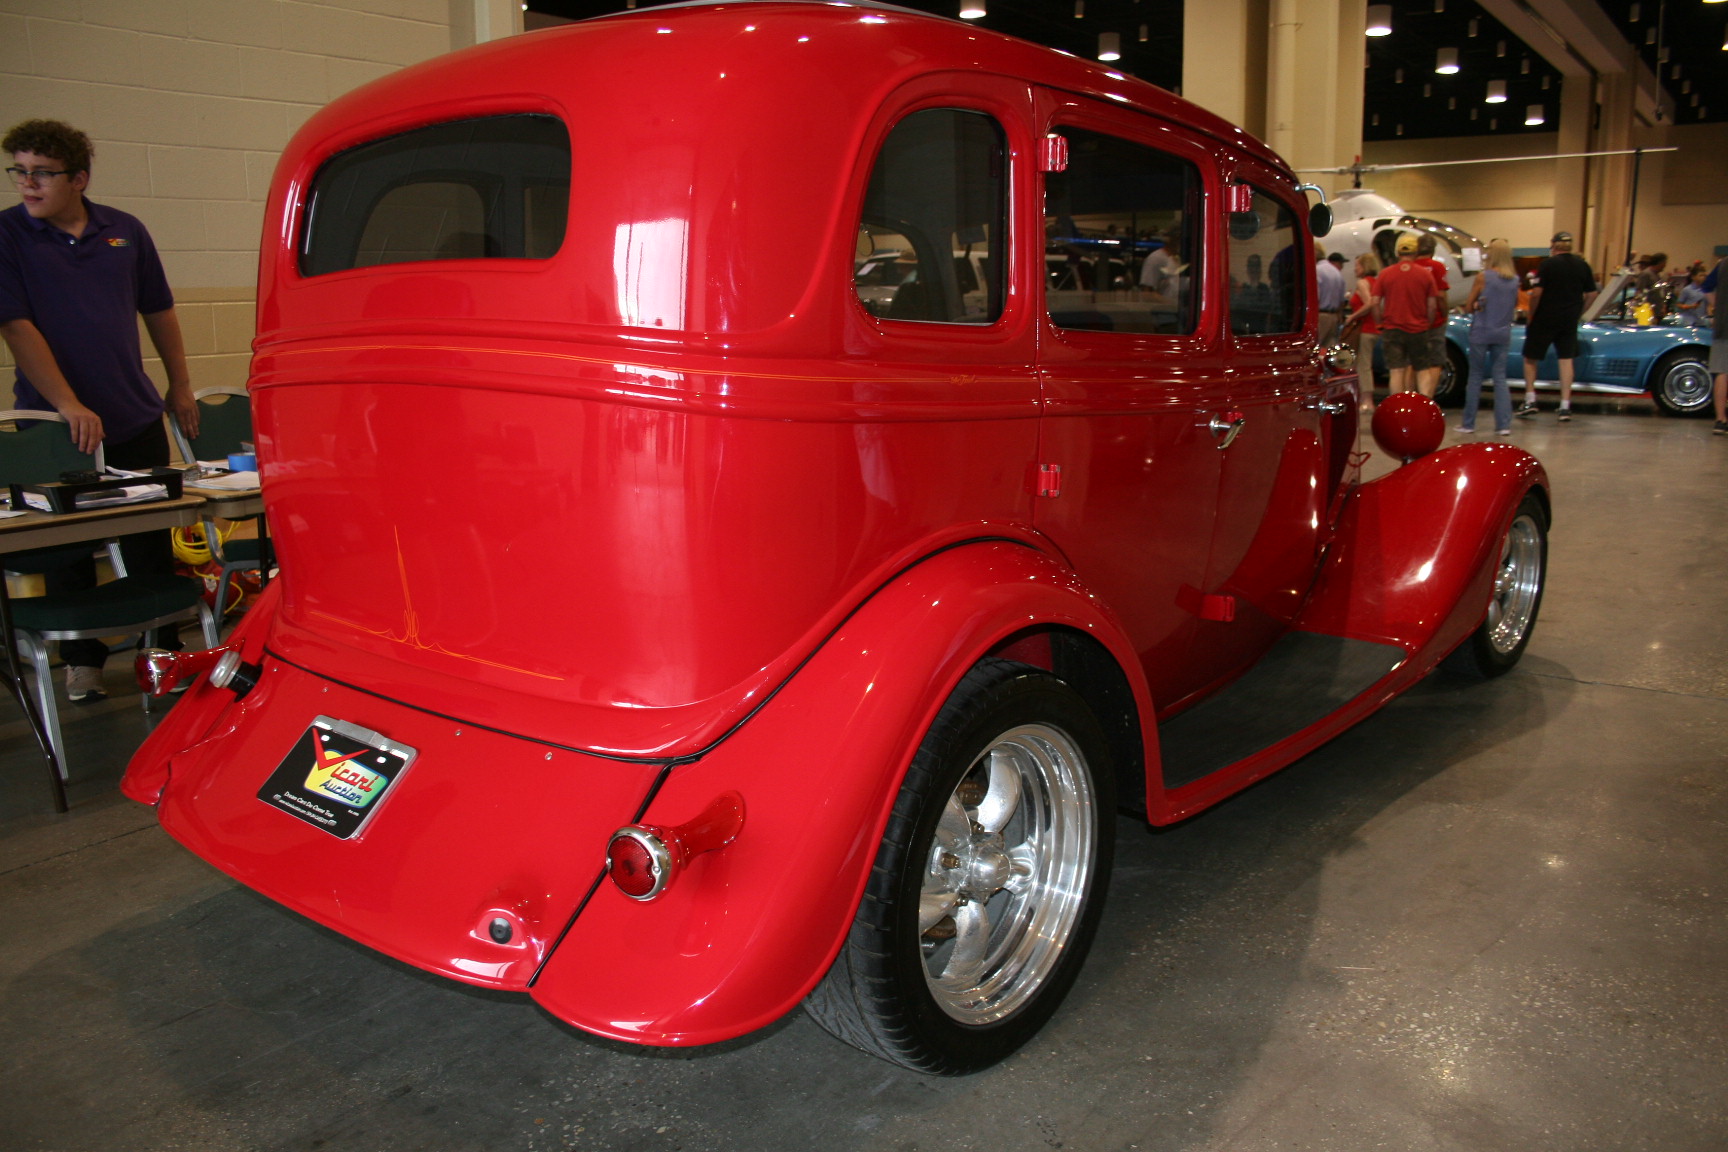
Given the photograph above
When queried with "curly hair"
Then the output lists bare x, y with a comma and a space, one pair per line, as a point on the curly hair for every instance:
51, 138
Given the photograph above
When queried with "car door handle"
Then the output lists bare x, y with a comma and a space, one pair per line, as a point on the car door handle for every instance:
1227, 425
1330, 407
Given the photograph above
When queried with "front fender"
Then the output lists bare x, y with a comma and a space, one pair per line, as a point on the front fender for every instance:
747, 931
1413, 559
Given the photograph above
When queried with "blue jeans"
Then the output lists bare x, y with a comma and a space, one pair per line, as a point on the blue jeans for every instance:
1488, 360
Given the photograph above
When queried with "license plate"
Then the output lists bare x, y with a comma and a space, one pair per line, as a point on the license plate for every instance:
336, 776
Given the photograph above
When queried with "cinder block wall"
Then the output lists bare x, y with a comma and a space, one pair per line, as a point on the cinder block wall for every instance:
189, 102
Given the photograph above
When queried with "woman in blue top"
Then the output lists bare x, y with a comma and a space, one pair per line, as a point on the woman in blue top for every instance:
1492, 301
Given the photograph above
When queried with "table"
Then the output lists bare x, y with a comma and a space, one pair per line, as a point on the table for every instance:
45, 530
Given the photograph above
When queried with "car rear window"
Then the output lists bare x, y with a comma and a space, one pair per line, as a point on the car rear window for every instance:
930, 241
491, 188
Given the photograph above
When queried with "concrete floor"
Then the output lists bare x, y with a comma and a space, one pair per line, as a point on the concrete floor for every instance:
1490, 918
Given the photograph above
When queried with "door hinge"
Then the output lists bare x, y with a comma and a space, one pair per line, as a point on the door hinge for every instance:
1049, 481
1053, 153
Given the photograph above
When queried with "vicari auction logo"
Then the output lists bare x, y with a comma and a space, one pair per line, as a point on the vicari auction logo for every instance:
340, 775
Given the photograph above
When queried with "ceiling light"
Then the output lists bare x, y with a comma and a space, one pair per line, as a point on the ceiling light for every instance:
1379, 19
1144, 34
1475, 26
1493, 124
1079, 9
1685, 87
1446, 61
1109, 46
1524, 67
1533, 116
1427, 90
1375, 121
1439, 5
1496, 92
1649, 37
1633, 13
972, 9
1400, 131
1544, 82
1451, 101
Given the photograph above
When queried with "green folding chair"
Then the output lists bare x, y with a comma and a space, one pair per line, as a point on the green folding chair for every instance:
35, 447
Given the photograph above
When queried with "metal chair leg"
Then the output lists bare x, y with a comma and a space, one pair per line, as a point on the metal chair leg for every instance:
46, 705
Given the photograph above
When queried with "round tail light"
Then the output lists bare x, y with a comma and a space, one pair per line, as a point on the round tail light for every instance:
644, 859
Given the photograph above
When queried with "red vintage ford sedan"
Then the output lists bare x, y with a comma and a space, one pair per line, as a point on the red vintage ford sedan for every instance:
759, 486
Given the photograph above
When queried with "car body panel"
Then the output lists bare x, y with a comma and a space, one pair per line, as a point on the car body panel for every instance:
679, 512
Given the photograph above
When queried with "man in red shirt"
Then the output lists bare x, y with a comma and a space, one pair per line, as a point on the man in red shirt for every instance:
1428, 379
1406, 300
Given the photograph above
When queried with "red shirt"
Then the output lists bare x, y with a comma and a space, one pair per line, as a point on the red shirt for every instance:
1439, 272
1404, 291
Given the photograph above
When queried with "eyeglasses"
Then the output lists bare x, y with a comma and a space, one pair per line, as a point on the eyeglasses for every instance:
23, 176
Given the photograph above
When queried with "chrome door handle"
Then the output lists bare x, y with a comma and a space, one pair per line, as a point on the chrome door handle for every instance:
1227, 425
1330, 407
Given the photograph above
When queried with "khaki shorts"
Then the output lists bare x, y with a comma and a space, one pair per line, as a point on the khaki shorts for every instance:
1408, 349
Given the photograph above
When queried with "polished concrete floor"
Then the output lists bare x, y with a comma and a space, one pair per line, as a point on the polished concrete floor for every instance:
1490, 918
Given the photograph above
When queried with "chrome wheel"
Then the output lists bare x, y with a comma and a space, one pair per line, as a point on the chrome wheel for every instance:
1682, 386
1005, 874
989, 881
1517, 586
1514, 599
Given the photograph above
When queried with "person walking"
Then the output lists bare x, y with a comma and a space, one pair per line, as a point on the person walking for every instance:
1564, 288
1719, 345
1491, 304
1428, 379
75, 276
1406, 300
1329, 276
1360, 324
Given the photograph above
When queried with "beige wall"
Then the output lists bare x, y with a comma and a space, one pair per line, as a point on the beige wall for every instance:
1682, 196
189, 103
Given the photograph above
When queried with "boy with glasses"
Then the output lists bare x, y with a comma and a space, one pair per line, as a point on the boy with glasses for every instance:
74, 278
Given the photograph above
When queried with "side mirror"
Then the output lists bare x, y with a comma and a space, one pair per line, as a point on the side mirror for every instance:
1320, 220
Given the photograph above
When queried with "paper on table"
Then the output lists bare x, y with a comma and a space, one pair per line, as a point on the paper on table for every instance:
235, 480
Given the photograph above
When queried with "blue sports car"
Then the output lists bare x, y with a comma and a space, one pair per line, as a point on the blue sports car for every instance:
1616, 356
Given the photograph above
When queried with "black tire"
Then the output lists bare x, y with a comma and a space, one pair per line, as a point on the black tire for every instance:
1454, 375
1681, 384
1500, 640
1011, 786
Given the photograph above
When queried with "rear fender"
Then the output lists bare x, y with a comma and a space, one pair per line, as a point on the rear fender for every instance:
1413, 559
745, 932
199, 709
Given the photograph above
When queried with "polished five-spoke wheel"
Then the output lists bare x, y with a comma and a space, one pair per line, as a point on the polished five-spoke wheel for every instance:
988, 883
1006, 872
1516, 597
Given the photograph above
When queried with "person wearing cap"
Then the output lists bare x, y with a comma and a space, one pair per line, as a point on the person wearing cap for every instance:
1406, 301
1564, 288
1428, 380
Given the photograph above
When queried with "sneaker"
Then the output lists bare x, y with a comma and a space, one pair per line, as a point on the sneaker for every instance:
1526, 411
1563, 415
84, 685
1463, 431
1502, 431
1721, 428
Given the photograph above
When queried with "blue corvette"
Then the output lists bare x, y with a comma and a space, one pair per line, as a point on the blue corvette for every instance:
1616, 356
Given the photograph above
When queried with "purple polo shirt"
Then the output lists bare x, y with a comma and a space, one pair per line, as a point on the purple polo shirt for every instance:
84, 294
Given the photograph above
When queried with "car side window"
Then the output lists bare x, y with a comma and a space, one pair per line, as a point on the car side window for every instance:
932, 238
1266, 268
491, 188
1121, 237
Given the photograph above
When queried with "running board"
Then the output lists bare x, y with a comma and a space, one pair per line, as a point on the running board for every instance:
1302, 680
